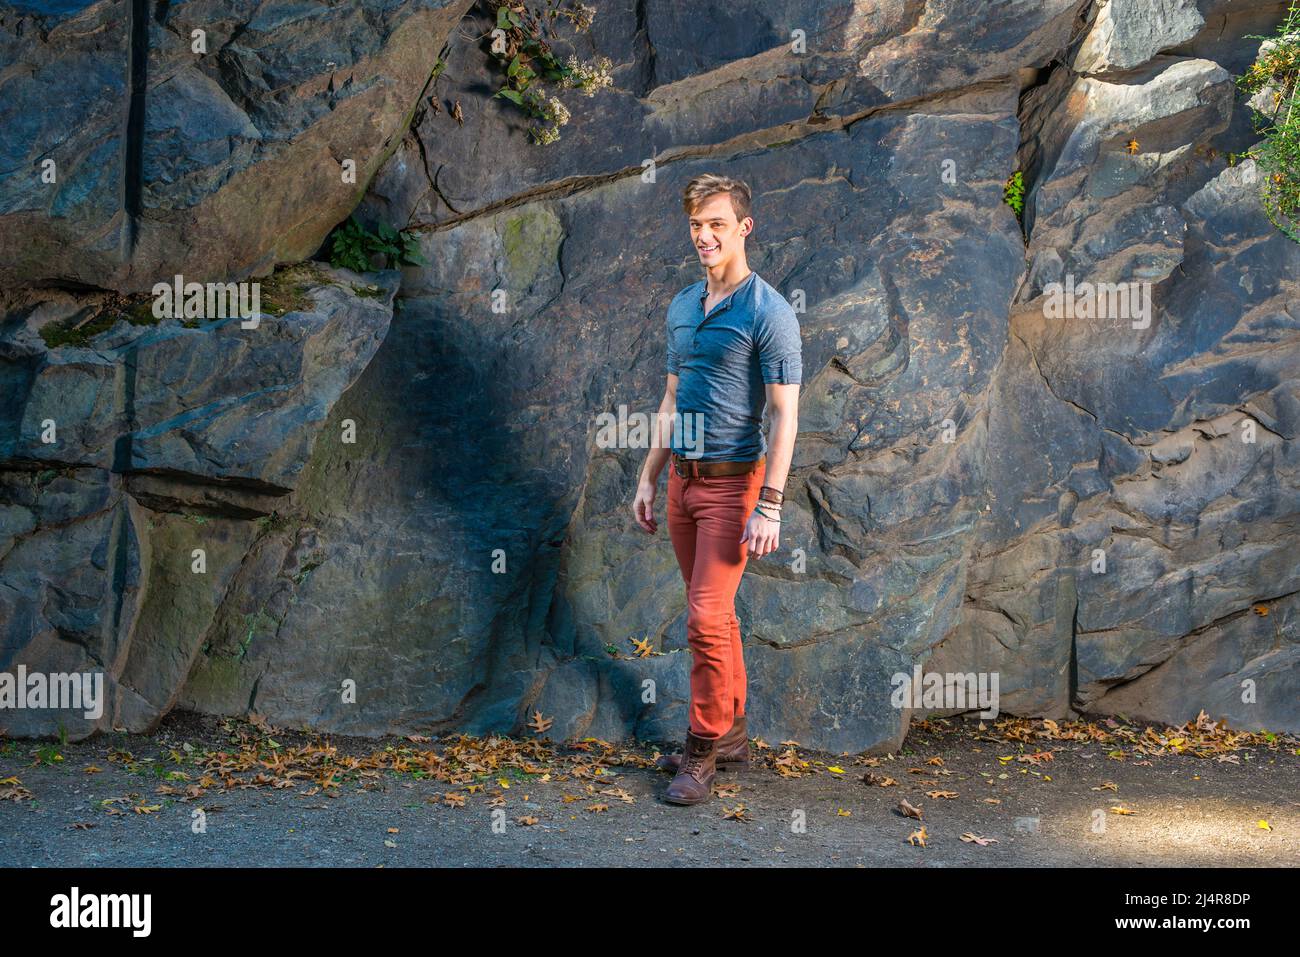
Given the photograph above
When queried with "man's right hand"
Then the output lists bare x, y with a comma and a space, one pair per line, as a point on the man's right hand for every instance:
643, 507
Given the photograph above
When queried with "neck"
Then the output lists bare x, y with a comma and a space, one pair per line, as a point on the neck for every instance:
728, 275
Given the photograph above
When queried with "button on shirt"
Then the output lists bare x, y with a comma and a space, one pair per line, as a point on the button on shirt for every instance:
723, 360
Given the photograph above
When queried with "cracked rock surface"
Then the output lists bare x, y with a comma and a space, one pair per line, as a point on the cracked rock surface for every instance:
1100, 508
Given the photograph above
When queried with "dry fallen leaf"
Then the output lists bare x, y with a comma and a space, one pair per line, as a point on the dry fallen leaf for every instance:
1121, 810
540, 724
872, 779
907, 809
526, 820
946, 795
970, 838
736, 813
917, 838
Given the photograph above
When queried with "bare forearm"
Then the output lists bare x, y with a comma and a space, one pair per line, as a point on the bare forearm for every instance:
780, 448
660, 449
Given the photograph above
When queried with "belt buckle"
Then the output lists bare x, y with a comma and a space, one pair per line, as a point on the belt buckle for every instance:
679, 467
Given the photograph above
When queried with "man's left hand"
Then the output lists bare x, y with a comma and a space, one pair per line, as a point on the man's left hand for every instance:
763, 535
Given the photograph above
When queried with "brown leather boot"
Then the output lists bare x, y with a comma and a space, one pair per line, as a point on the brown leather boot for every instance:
733, 750
694, 782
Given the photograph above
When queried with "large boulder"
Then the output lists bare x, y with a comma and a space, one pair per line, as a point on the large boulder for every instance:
993, 476
208, 141
768, 72
125, 454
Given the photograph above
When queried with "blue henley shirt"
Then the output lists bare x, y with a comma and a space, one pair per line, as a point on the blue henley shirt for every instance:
723, 361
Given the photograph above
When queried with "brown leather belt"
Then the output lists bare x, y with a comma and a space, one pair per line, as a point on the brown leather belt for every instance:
693, 468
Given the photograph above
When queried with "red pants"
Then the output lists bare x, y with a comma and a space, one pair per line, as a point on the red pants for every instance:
706, 517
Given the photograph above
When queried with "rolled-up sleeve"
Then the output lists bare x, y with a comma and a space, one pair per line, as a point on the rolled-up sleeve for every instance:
780, 354
674, 360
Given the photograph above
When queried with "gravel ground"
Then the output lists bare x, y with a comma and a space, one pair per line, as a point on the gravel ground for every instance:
1186, 810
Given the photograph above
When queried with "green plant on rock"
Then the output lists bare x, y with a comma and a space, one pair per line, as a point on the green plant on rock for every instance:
1275, 75
355, 247
1013, 193
519, 42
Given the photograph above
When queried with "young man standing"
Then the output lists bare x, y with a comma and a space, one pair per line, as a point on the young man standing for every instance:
733, 348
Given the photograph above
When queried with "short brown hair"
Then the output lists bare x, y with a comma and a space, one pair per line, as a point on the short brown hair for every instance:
710, 184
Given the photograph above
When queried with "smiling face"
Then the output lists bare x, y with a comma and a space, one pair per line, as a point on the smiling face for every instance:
715, 231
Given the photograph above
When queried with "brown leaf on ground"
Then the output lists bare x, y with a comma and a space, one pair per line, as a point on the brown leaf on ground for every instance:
736, 813
907, 809
1038, 757
971, 838
526, 821
1118, 809
946, 795
872, 779
790, 765
11, 789
917, 837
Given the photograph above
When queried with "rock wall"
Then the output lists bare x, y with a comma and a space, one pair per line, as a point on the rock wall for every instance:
215, 164
968, 456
